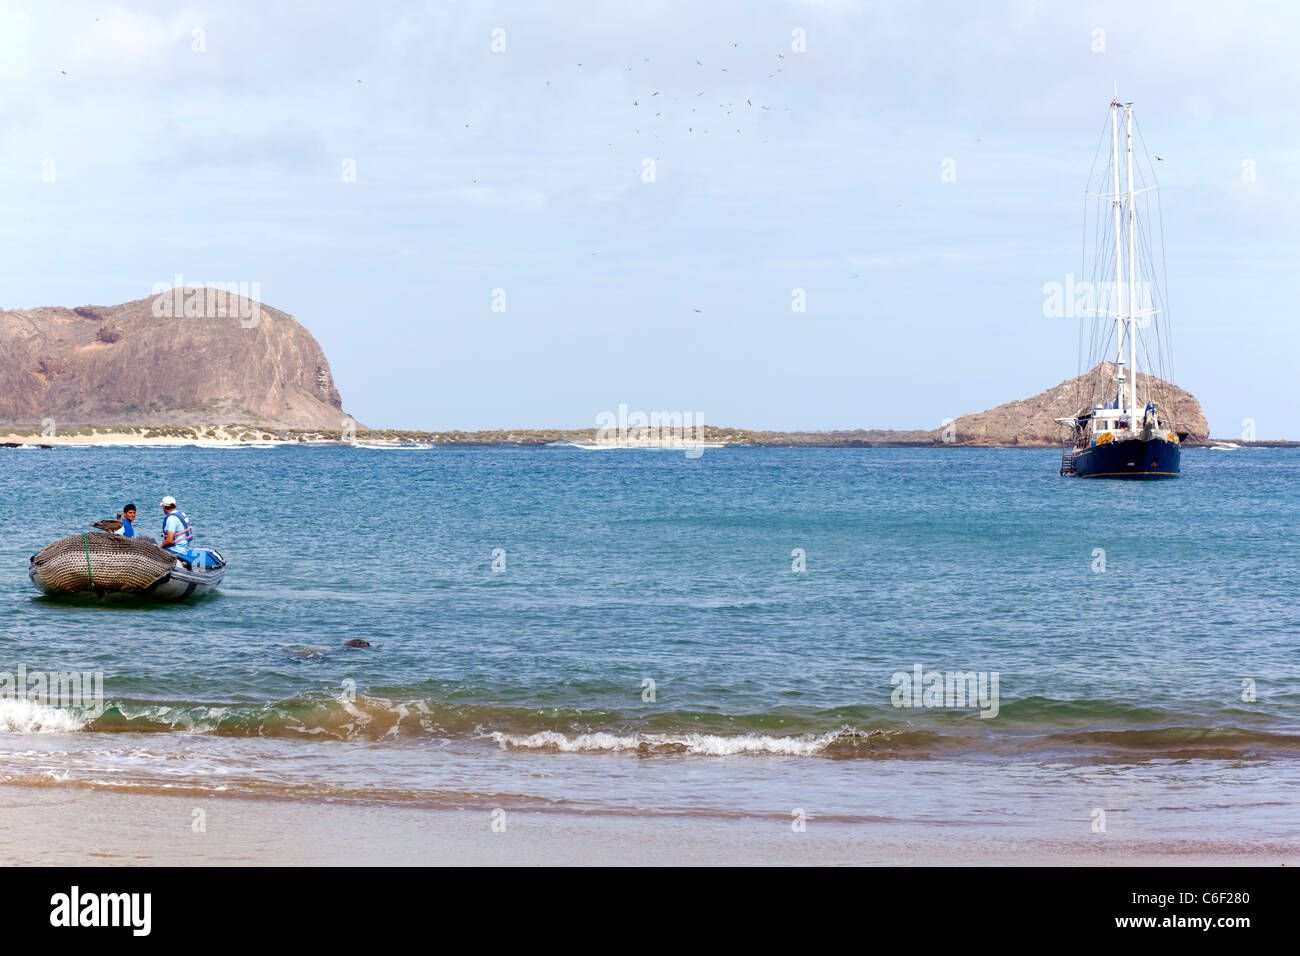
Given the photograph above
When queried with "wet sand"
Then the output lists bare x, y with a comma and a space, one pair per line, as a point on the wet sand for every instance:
60, 825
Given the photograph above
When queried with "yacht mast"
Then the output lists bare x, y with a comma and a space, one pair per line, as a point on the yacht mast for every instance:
1132, 271
1117, 201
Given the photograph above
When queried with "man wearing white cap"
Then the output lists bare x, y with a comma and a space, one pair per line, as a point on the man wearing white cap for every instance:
177, 534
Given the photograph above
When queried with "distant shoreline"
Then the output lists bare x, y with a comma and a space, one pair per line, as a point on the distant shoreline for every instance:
257, 436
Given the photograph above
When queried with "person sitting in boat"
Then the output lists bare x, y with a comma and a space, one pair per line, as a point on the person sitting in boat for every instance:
128, 516
177, 533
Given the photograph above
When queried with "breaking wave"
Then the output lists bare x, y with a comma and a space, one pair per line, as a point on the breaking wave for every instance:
713, 745
18, 716
1033, 725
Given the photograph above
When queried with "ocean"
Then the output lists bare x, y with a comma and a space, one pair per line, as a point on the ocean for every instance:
738, 635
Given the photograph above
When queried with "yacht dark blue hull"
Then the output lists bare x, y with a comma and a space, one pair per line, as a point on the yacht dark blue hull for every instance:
1127, 458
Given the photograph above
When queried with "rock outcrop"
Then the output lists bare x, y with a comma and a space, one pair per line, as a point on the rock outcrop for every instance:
169, 359
1031, 421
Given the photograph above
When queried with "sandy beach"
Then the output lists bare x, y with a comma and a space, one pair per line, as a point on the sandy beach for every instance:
74, 826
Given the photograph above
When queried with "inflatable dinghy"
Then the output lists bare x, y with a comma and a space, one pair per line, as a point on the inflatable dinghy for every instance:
100, 563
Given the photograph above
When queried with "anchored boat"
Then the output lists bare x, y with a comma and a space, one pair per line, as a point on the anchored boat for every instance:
1118, 431
99, 563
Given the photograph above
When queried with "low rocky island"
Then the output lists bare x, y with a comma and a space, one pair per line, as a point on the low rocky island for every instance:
1032, 421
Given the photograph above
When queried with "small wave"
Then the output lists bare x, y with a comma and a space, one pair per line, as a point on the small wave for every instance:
712, 745
30, 717
339, 718
371, 718
1033, 725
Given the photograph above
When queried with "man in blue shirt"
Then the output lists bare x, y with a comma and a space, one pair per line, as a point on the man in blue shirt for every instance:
177, 534
127, 516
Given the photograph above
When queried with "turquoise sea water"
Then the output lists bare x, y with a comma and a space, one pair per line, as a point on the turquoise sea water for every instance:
1169, 676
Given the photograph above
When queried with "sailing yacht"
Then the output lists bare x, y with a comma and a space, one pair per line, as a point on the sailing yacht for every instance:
1119, 432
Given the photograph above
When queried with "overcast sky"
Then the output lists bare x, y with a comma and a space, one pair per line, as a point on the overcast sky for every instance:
775, 169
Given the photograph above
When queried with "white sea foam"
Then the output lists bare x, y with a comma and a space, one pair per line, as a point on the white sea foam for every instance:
19, 716
713, 745
418, 446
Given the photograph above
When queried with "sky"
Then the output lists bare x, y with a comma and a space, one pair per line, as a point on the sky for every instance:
498, 215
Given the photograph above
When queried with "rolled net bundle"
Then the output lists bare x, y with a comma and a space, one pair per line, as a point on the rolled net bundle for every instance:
101, 562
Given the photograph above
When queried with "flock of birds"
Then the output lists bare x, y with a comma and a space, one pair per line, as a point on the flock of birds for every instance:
654, 109
728, 109
690, 129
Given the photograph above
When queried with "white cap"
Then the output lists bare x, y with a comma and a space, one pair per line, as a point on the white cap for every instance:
169, 502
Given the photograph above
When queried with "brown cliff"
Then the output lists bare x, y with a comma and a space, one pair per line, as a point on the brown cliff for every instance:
165, 360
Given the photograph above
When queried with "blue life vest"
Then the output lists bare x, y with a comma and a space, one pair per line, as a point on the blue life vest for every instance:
128, 531
181, 543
